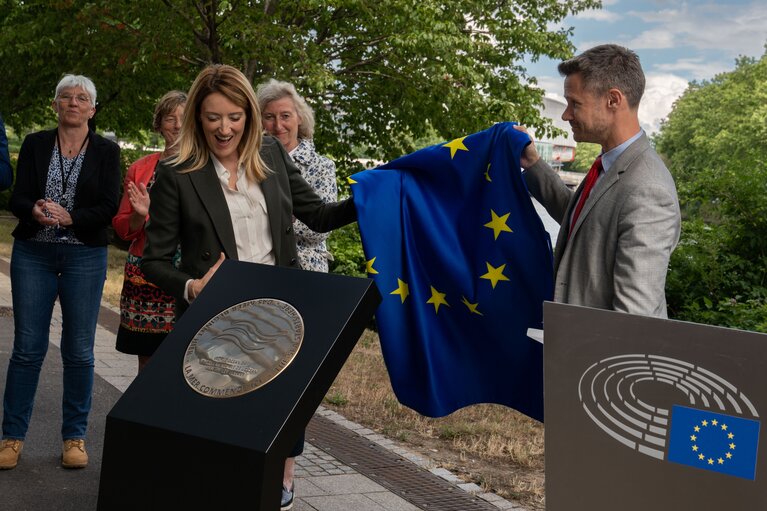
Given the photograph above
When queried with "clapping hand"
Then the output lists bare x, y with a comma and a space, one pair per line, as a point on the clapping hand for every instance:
138, 196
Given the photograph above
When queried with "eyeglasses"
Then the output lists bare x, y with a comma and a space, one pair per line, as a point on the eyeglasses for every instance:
80, 98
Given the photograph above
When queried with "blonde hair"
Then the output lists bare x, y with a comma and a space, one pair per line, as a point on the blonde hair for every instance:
232, 84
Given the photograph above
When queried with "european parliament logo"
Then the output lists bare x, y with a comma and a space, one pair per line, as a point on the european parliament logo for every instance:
718, 431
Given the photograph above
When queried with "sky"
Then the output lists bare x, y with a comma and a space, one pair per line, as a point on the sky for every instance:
677, 42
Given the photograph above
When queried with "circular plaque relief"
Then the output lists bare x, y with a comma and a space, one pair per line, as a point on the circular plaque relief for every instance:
243, 348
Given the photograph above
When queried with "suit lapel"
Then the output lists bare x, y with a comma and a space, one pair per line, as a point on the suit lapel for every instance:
611, 177
271, 190
208, 187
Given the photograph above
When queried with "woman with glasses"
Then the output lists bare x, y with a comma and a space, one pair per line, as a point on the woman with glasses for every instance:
66, 193
147, 314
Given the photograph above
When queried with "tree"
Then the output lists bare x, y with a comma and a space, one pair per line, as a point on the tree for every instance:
379, 74
715, 141
585, 154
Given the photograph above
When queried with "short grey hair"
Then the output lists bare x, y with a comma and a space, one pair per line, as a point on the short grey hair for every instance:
608, 66
78, 81
274, 90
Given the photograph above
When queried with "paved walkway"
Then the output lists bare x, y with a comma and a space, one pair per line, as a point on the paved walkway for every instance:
344, 466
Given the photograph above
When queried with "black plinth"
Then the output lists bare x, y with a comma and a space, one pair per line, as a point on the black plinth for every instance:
167, 446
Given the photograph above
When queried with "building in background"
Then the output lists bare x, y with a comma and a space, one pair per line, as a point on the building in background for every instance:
558, 150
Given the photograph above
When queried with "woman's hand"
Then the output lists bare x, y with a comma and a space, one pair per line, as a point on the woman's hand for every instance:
41, 214
197, 285
58, 213
139, 198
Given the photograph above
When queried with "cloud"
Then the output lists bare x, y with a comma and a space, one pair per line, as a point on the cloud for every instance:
661, 90
733, 28
697, 67
602, 14
553, 85
598, 15
654, 39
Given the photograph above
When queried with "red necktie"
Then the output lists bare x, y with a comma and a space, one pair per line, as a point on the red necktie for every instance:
591, 179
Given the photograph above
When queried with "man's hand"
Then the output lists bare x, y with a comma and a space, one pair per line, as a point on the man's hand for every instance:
529, 156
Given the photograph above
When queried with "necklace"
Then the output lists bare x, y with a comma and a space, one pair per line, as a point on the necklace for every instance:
65, 175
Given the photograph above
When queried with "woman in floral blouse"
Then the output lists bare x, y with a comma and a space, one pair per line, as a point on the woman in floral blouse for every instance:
286, 116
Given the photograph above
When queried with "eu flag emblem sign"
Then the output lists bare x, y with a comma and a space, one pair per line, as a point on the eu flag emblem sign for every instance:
714, 441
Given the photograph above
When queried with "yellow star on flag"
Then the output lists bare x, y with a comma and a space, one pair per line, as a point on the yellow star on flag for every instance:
498, 223
369, 266
455, 146
437, 299
472, 306
351, 181
402, 290
494, 274
487, 174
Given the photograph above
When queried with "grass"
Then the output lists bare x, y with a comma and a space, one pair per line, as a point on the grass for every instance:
492, 446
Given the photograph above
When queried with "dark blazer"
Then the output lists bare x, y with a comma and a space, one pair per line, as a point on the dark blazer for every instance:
189, 209
618, 252
96, 196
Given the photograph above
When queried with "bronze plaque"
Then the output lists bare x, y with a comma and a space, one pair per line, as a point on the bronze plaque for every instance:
243, 348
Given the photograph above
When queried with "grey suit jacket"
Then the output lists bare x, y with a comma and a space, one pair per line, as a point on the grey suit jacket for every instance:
618, 252
190, 210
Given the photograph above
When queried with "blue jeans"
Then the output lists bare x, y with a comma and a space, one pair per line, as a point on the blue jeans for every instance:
39, 273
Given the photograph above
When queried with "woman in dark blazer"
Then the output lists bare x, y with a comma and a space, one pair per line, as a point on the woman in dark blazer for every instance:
66, 193
230, 193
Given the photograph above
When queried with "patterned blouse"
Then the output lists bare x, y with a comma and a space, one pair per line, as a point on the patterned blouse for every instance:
60, 187
320, 173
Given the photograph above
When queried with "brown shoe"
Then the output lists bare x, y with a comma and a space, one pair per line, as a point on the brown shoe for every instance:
10, 452
73, 454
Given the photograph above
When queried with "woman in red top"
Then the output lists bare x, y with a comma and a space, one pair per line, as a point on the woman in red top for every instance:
147, 313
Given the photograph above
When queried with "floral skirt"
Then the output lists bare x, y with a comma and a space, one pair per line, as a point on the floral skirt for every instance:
147, 314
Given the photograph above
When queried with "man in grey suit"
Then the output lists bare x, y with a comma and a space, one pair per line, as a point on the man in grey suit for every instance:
619, 227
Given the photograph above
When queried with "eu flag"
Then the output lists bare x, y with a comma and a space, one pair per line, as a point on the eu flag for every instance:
714, 441
464, 265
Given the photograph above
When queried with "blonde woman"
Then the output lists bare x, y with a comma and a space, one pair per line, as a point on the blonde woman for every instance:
230, 193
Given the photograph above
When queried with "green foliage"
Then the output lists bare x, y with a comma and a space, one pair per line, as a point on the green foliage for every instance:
5, 195
346, 247
585, 154
379, 75
715, 142
128, 156
336, 399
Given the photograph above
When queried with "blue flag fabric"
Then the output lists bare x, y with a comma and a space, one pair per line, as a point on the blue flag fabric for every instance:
713, 441
464, 264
